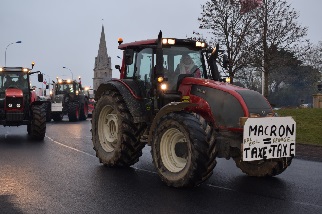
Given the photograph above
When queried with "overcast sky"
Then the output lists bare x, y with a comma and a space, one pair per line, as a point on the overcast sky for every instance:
66, 33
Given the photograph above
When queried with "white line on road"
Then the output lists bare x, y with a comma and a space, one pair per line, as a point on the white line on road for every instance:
61, 144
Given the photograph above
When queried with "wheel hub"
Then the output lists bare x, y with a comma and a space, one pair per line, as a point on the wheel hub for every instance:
174, 150
108, 128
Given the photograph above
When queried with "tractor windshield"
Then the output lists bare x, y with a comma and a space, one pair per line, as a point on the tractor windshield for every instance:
14, 80
65, 88
176, 60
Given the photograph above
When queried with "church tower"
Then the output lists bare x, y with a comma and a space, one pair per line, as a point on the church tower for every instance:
102, 67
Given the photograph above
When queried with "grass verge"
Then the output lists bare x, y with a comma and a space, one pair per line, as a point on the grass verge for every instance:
308, 124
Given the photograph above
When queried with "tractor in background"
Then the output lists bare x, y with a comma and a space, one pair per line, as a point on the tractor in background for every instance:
68, 98
18, 102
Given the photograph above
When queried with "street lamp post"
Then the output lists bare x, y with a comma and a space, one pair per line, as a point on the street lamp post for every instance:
5, 53
70, 72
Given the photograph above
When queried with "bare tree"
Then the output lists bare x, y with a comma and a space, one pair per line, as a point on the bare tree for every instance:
248, 37
231, 30
313, 56
277, 27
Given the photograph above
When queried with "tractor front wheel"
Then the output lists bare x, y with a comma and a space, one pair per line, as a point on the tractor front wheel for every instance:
83, 111
115, 136
183, 149
37, 128
73, 112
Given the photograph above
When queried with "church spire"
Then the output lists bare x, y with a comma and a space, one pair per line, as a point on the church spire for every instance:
102, 67
102, 60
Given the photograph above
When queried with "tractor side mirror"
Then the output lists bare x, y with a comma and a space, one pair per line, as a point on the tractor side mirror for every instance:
129, 56
118, 67
47, 86
40, 77
225, 61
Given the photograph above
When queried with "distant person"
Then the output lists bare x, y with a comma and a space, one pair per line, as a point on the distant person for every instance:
187, 66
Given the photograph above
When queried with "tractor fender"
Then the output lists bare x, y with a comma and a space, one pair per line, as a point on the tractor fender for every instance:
171, 107
135, 104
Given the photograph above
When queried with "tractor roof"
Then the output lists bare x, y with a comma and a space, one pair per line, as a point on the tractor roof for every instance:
14, 69
165, 41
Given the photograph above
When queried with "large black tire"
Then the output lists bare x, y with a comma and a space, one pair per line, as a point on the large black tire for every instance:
263, 168
38, 122
73, 112
57, 116
48, 111
115, 137
83, 111
183, 149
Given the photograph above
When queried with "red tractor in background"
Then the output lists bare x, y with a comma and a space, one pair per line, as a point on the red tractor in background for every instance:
171, 97
18, 102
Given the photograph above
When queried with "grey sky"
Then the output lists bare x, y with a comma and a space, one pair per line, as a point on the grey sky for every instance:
67, 32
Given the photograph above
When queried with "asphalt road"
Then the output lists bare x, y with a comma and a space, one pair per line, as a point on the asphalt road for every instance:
62, 175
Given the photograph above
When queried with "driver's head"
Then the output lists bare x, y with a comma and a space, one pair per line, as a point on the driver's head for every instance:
186, 59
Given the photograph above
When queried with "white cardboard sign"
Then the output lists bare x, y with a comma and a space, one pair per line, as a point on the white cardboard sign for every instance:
268, 137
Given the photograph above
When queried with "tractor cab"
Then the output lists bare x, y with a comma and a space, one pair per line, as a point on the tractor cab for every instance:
67, 87
159, 67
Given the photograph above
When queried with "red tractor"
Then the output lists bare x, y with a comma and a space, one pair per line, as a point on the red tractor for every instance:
171, 97
18, 102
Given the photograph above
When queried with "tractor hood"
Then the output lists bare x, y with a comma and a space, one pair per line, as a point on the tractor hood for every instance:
13, 92
227, 103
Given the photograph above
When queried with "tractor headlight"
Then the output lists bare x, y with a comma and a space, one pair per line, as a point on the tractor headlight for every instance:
18, 105
168, 41
163, 86
200, 44
160, 79
1, 69
10, 105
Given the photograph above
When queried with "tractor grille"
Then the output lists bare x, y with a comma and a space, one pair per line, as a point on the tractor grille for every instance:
15, 116
14, 102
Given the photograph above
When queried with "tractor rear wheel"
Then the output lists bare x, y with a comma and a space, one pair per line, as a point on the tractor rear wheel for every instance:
115, 136
38, 122
73, 112
263, 168
83, 111
183, 149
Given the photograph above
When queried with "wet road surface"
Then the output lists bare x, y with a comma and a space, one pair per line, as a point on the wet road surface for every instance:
62, 175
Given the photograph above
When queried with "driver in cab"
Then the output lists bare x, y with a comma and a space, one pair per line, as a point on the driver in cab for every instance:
9, 82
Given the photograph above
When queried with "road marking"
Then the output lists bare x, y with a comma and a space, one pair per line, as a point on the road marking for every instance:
61, 144
151, 172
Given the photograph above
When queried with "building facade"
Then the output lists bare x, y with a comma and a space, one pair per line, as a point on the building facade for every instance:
102, 68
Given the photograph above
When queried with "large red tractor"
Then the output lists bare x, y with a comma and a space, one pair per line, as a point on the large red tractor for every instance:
18, 102
171, 97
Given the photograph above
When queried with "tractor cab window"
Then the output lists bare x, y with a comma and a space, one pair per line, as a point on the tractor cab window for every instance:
77, 87
65, 88
15, 80
182, 60
142, 65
